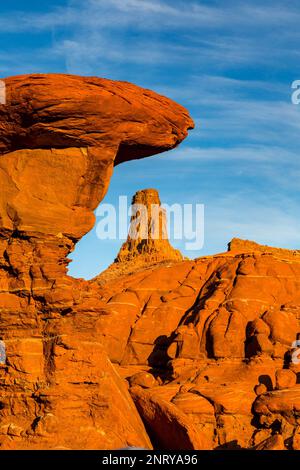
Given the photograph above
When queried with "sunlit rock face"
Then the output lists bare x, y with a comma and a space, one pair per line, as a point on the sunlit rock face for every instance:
219, 334
208, 346
60, 136
147, 243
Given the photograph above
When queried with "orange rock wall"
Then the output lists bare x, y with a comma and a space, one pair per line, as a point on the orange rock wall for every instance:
60, 137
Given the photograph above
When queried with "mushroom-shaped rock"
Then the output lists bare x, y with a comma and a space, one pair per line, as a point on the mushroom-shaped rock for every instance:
61, 111
93, 124
60, 136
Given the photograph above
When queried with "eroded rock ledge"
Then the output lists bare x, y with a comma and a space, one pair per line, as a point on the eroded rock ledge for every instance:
60, 136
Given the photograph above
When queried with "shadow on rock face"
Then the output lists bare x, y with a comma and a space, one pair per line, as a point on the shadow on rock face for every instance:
159, 356
267, 381
232, 445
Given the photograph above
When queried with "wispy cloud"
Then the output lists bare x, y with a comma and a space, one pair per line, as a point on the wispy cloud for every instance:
261, 218
197, 23
252, 153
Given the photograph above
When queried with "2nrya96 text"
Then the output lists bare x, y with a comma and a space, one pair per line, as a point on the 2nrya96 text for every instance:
150, 459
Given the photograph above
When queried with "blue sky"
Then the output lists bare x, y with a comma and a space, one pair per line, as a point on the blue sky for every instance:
231, 63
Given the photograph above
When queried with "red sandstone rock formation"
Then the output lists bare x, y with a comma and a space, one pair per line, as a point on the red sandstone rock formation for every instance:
224, 326
147, 243
60, 137
206, 345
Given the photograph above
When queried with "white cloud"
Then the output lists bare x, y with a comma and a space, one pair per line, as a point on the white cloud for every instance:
207, 36
240, 153
258, 218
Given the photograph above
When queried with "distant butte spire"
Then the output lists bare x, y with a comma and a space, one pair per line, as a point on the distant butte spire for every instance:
148, 235
147, 242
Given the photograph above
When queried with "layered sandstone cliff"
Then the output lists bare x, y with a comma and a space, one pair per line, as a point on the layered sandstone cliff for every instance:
60, 137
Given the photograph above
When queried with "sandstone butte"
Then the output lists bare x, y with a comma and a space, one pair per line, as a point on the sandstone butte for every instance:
147, 243
175, 354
